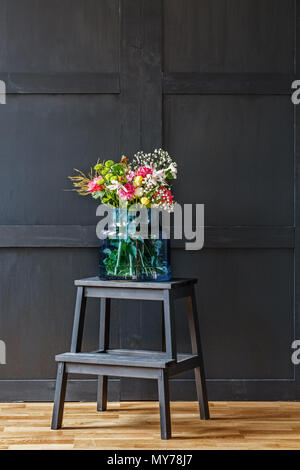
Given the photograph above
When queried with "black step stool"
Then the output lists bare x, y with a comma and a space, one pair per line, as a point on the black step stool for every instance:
131, 363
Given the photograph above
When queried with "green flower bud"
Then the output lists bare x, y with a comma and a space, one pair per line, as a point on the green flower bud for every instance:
109, 163
117, 169
99, 166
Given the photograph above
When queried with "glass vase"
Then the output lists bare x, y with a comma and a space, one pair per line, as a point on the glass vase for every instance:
127, 254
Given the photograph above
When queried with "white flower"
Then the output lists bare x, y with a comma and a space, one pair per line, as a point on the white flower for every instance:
138, 192
158, 176
173, 169
159, 159
115, 185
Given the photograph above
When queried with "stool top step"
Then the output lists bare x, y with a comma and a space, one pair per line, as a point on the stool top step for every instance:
115, 359
96, 282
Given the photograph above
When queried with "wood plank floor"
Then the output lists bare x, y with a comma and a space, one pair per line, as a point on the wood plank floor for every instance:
135, 425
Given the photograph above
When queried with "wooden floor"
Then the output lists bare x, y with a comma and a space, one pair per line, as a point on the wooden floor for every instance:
135, 425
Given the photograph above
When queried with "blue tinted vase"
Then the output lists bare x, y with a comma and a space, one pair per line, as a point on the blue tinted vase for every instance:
125, 254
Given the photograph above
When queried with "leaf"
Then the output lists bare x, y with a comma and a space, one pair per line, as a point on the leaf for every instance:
114, 242
132, 250
137, 237
160, 270
169, 175
97, 194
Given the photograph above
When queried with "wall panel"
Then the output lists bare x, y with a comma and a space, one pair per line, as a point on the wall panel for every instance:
229, 36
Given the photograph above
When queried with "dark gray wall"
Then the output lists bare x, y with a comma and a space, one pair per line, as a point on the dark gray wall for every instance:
209, 80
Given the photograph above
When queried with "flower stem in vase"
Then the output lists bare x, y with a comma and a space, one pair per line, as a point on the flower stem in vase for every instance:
130, 266
118, 257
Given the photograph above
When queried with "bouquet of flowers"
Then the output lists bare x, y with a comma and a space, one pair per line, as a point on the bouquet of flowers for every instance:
145, 181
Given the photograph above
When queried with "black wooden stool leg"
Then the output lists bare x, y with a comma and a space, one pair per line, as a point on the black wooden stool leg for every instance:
169, 326
163, 330
61, 380
78, 324
103, 345
102, 393
164, 405
59, 398
196, 349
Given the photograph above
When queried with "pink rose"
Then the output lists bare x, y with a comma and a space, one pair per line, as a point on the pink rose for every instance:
93, 185
127, 192
144, 171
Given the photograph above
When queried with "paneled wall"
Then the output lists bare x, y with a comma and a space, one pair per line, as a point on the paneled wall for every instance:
210, 81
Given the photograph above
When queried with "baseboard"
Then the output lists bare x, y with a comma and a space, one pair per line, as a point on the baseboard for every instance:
123, 390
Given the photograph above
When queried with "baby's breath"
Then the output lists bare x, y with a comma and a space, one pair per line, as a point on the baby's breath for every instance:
159, 159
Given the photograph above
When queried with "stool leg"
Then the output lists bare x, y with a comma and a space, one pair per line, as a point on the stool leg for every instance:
59, 398
164, 405
169, 326
163, 330
103, 345
102, 393
196, 349
78, 321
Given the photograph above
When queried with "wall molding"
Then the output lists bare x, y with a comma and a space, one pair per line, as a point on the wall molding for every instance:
180, 390
227, 83
79, 236
61, 83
